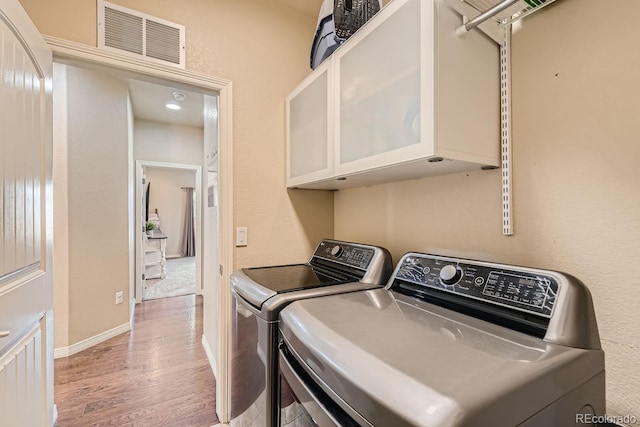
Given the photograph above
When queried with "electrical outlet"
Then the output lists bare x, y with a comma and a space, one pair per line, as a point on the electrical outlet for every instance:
119, 297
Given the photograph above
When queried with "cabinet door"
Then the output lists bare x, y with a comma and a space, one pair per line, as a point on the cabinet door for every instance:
310, 129
384, 78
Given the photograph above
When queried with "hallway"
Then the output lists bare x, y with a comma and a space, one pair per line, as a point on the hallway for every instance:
155, 375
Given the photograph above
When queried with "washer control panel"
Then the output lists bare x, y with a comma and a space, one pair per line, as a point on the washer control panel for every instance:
517, 288
352, 255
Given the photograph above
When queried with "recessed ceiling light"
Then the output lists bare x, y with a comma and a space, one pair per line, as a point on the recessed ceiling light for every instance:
172, 106
179, 96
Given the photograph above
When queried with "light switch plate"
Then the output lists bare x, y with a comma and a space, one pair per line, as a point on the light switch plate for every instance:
241, 236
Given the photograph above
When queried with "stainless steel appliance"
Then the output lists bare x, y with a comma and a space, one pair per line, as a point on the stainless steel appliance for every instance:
258, 296
448, 342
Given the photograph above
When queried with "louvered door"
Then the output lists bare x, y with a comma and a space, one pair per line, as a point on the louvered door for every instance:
26, 351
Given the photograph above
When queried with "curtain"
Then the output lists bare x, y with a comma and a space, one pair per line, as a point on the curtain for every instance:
188, 233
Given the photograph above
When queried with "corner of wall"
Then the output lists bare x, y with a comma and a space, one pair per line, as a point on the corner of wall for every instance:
61, 208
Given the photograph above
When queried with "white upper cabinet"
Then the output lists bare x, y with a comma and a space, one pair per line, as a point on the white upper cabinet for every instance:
309, 129
411, 99
378, 91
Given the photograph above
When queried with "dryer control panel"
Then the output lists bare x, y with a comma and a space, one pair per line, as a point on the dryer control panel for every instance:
517, 288
353, 255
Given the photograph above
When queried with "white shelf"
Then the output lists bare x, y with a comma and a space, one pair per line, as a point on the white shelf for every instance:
517, 11
155, 258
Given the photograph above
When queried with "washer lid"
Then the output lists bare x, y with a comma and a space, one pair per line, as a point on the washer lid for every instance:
399, 361
257, 285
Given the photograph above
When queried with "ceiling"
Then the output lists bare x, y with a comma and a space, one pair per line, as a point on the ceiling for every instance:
149, 100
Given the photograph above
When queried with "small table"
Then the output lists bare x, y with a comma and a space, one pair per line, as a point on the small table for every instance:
155, 260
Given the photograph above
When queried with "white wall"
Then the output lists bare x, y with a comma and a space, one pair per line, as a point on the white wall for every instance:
91, 205
166, 195
168, 143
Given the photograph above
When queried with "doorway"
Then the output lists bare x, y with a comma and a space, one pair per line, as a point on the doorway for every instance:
168, 197
216, 310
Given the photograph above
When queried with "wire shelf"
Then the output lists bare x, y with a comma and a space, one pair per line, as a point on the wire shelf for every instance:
512, 13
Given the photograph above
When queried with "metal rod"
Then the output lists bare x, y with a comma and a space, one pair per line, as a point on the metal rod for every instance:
489, 13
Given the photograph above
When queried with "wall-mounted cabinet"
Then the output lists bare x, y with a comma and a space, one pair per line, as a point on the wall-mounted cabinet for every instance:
405, 98
310, 128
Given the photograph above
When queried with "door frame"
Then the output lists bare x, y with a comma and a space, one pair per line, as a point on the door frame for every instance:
72, 53
199, 232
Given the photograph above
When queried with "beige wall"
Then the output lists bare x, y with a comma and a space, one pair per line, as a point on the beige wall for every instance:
92, 210
575, 154
263, 47
168, 143
61, 209
576, 174
167, 196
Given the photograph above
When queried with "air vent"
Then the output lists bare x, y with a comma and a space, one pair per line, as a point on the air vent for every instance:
137, 34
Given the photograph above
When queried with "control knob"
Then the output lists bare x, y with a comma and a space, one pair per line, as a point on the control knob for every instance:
337, 250
450, 275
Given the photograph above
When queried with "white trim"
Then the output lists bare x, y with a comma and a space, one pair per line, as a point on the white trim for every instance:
132, 310
225, 254
210, 357
140, 164
137, 235
55, 413
68, 52
90, 342
153, 164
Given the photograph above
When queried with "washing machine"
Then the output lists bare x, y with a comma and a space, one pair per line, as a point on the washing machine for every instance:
259, 294
448, 342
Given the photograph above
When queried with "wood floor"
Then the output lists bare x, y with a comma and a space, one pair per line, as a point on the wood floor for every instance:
155, 375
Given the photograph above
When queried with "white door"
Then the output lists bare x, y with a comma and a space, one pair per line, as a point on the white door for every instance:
26, 294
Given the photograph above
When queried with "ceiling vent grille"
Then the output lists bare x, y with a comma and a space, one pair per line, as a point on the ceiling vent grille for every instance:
137, 34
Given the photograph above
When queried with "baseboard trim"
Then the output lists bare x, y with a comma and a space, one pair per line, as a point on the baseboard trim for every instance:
55, 413
210, 357
90, 342
132, 311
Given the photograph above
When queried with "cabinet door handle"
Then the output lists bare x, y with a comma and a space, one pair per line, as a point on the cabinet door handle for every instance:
4, 334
